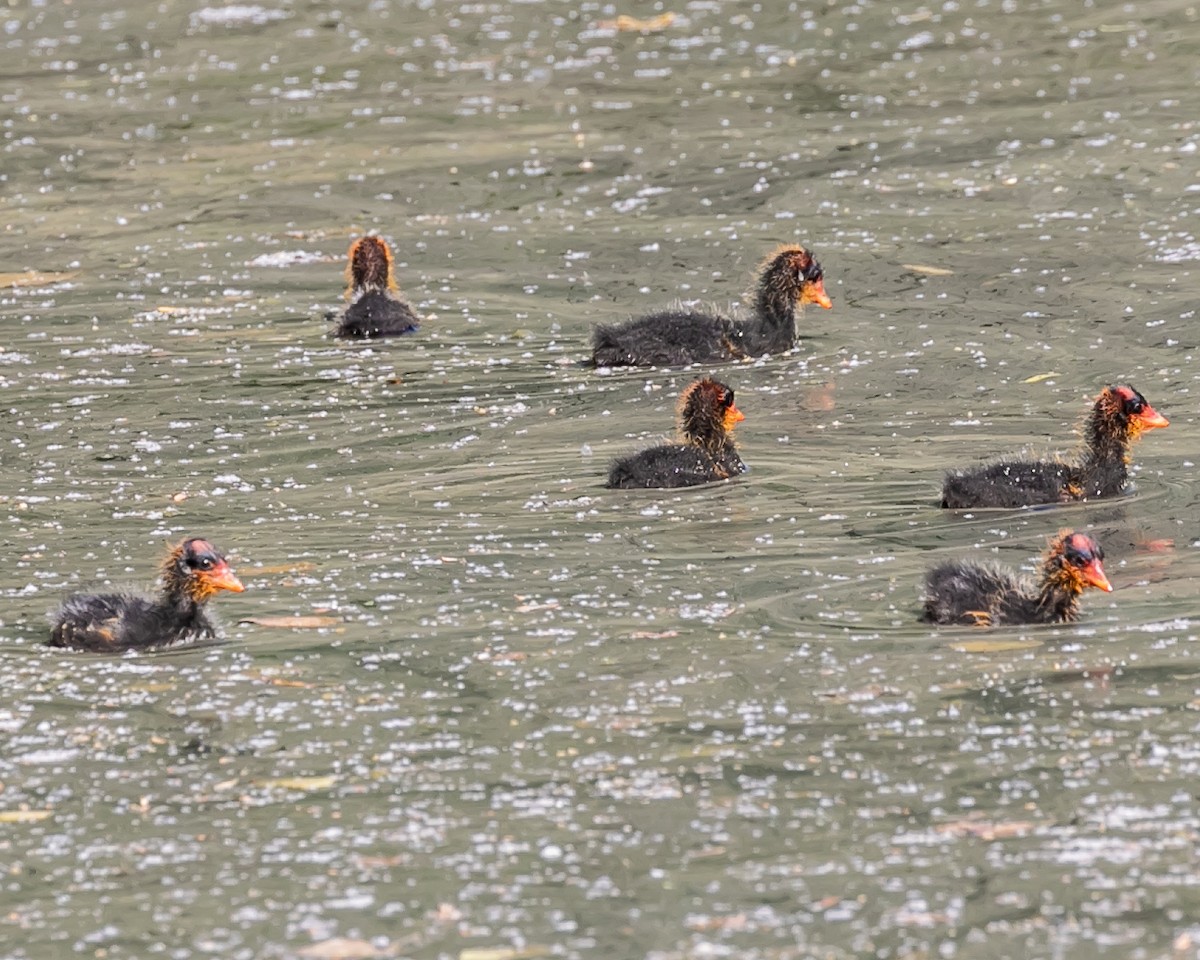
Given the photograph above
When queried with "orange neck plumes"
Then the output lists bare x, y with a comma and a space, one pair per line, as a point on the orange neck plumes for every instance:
370, 266
1073, 563
789, 278
707, 414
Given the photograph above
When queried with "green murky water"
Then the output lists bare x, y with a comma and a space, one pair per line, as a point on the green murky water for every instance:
548, 719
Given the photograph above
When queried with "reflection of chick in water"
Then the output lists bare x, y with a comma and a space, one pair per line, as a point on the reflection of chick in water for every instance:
790, 278
706, 450
376, 309
192, 573
1119, 416
969, 593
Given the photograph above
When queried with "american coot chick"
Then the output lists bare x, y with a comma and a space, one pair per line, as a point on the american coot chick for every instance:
376, 309
1119, 416
969, 593
788, 279
706, 451
192, 573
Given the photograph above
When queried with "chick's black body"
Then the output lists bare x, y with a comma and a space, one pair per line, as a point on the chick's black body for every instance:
788, 280
670, 338
968, 593
377, 314
674, 465
1009, 483
192, 572
707, 452
126, 621
1119, 416
957, 592
376, 309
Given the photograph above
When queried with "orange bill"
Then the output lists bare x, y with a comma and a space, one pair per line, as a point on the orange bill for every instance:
1150, 418
733, 415
221, 577
1093, 573
814, 292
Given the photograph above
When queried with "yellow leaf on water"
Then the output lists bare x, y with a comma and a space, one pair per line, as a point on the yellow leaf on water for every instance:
301, 566
535, 606
153, 686
986, 830
299, 783
24, 816
994, 646
1039, 377
504, 953
341, 948
300, 623
264, 676
628, 24
33, 278
927, 270
872, 691
702, 922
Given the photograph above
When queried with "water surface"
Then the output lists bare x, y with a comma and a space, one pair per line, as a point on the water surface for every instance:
550, 719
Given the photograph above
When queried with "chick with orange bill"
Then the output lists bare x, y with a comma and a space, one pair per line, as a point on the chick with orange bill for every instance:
786, 281
705, 452
984, 595
376, 308
1119, 416
192, 573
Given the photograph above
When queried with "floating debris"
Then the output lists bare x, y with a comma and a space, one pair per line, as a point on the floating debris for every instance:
288, 258
34, 278
627, 24
927, 270
296, 623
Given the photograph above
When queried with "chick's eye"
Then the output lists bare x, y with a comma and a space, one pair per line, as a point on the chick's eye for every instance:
1134, 405
1082, 556
727, 400
204, 563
